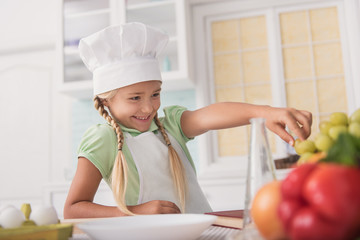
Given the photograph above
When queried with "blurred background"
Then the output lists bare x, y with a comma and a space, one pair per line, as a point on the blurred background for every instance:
296, 53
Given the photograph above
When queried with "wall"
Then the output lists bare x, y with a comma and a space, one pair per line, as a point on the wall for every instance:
34, 122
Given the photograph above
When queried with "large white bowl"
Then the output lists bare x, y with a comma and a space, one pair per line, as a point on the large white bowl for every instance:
156, 227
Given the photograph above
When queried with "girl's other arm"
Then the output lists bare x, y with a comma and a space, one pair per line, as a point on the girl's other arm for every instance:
233, 114
79, 202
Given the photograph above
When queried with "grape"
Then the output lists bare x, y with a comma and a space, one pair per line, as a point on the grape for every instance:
323, 142
339, 118
354, 129
304, 146
304, 158
325, 126
355, 117
335, 131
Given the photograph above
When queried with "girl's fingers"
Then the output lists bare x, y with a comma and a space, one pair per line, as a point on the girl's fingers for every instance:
307, 121
155, 207
283, 134
301, 124
170, 207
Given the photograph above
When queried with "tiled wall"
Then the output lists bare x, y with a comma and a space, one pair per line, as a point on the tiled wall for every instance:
85, 115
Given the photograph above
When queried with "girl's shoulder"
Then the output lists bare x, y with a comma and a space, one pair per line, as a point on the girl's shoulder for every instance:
173, 113
172, 122
100, 128
99, 146
100, 131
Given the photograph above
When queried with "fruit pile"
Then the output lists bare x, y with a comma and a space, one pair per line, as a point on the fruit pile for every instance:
318, 199
339, 122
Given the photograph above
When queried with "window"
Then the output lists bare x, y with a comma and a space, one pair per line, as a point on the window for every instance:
291, 54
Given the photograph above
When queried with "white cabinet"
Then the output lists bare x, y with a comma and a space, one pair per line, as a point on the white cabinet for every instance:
170, 16
82, 18
79, 19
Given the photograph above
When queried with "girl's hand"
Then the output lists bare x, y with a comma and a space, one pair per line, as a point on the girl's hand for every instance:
298, 121
155, 207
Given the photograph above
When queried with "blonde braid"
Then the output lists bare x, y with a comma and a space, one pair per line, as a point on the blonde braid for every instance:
119, 173
176, 166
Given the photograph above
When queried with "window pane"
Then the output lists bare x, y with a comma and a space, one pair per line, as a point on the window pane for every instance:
297, 62
225, 36
253, 32
233, 142
294, 28
226, 69
229, 95
332, 95
328, 59
324, 24
258, 94
256, 66
301, 95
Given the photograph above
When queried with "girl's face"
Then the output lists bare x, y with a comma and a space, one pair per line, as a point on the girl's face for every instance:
135, 106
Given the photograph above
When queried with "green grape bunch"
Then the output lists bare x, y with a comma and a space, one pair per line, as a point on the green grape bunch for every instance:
330, 130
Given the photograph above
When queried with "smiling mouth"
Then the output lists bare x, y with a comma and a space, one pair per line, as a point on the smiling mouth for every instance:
142, 118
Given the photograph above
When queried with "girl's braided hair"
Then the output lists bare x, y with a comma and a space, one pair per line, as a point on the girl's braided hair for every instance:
119, 173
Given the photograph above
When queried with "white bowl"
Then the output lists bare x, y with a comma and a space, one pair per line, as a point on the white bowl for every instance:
156, 227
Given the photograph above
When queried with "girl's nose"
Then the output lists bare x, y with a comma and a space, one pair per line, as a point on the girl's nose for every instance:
147, 107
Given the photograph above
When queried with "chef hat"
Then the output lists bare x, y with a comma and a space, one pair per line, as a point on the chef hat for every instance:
122, 55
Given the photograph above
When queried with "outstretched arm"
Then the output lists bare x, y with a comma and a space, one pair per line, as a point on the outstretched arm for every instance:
233, 114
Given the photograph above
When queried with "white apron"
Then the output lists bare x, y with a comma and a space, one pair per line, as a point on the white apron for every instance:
150, 154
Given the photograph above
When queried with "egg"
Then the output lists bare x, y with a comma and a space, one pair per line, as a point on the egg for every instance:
44, 216
5, 206
11, 217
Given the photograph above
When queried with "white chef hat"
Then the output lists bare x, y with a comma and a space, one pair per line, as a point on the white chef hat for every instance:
122, 55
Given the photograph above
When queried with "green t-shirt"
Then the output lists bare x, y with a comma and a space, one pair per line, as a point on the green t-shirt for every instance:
99, 146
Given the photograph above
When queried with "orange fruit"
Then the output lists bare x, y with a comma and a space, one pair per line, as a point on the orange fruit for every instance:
264, 211
316, 157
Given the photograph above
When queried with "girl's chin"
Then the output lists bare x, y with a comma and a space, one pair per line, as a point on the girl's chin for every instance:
142, 127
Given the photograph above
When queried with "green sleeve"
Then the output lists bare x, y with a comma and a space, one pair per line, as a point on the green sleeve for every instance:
99, 146
172, 121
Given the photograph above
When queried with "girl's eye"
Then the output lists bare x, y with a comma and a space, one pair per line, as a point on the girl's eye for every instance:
135, 98
156, 94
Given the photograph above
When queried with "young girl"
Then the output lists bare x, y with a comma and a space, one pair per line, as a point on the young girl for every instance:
142, 157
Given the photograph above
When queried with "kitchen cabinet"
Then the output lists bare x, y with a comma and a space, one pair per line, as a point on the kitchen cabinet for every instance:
35, 133
81, 18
